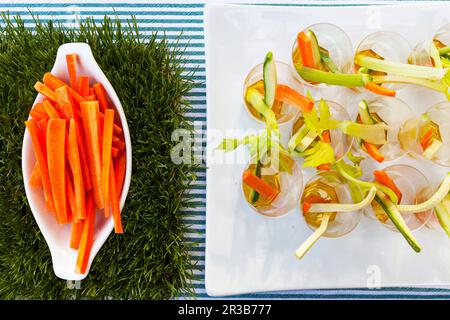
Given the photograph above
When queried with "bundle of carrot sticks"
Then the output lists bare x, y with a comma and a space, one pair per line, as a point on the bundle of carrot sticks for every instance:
80, 155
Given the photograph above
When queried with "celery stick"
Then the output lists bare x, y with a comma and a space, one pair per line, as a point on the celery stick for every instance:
398, 68
339, 79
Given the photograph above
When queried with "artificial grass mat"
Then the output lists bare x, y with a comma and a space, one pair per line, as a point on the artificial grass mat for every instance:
151, 260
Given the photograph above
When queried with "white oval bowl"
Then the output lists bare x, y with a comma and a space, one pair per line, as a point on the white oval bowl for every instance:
58, 236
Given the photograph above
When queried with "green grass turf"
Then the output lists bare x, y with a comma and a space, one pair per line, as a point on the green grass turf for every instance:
150, 261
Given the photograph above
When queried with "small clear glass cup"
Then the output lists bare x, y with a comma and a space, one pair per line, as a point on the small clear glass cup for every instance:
335, 41
393, 112
421, 52
389, 45
290, 185
421, 55
284, 76
415, 188
442, 36
412, 130
340, 223
340, 142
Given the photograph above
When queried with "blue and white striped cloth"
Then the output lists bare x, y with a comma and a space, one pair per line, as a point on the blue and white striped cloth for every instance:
173, 17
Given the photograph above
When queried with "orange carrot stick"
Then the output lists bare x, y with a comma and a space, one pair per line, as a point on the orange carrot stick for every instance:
91, 91
425, 140
71, 60
83, 85
70, 197
75, 236
106, 155
65, 102
383, 178
373, 151
90, 117
375, 88
114, 152
115, 201
263, 188
35, 178
56, 137
87, 236
306, 50
326, 136
75, 165
117, 129
51, 111
324, 167
41, 157
38, 115
91, 97
44, 90
54, 83
102, 96
286, 94
119, 145
39, 107
120, 167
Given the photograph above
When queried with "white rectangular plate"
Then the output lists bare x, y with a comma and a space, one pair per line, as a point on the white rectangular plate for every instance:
246, 252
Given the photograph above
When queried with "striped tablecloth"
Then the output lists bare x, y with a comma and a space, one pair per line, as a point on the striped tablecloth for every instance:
173, 17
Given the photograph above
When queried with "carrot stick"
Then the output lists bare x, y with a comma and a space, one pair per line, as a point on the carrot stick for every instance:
311, 199
326, 136
286, 94
35, 178
373, 151
83, 85
117, 129
44, 90
120, 167
39, 107
102, 96
42, 124
70, 197
115, 201
75, 165
425, 140
71, 60
87, 236
119, 145
263, 188
90, 117
91, 91
75, 236
106, 155
114, 152
324, 167
91, 97
38, 115
54, 83
56, 137
65, 102
383, 178
51, 111
41, 158
375, 88
306, 50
